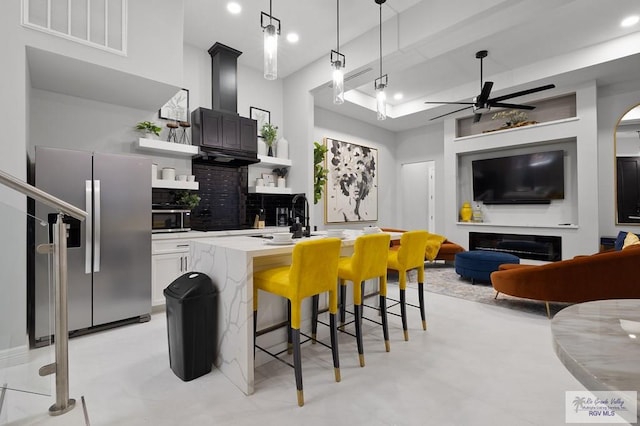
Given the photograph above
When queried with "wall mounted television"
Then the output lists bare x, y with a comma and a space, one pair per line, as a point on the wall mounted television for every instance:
535, 178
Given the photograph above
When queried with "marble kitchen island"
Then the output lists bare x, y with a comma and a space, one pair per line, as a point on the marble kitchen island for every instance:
230, 263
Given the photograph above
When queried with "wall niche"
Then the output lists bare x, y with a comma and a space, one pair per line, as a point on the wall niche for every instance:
551, 109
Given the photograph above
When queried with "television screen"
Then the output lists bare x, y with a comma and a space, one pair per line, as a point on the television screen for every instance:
519, 179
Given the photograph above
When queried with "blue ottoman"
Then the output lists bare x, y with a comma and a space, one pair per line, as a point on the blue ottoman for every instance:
479, 264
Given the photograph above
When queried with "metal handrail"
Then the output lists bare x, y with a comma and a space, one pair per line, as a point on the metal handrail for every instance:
42, 196
59, 251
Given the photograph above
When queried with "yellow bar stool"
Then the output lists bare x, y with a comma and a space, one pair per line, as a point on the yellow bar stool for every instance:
409, 256
369, 260
313, 270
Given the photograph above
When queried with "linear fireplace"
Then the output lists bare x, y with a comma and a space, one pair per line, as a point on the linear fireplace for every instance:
536, 247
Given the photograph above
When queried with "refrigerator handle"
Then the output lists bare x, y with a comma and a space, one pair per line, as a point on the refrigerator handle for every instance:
88, 207
96, 226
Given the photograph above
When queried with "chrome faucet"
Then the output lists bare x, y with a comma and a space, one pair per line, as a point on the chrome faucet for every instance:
307, 227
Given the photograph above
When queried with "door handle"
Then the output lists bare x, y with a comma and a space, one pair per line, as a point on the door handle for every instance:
88, 207
96, 227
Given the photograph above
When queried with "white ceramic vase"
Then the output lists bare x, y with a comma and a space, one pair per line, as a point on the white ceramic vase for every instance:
282, 182
283, 148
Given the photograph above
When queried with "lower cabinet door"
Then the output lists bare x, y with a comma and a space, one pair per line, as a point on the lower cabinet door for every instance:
164, 269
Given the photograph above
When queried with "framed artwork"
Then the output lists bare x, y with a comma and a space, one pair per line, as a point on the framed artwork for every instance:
351, 191
262, 116
177, 108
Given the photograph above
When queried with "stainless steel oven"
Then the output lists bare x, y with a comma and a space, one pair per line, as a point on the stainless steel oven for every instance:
170, 220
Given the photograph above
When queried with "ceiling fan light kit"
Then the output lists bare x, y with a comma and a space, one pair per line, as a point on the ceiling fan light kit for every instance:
271, 31
483, 103
381, 82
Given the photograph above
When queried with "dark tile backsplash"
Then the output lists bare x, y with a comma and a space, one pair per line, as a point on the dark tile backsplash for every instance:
223, 197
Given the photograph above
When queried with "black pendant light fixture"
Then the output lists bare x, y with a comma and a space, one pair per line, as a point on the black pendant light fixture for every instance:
271, 30
382, 81
338, 64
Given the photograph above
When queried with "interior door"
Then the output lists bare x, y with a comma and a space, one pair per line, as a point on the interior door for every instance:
122, 260
417, 183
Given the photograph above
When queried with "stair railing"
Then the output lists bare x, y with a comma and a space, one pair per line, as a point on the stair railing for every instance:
59, 251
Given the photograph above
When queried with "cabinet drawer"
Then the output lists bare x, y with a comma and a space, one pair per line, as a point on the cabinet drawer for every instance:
173, 246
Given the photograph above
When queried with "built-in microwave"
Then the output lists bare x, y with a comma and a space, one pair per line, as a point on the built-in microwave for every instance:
170, 220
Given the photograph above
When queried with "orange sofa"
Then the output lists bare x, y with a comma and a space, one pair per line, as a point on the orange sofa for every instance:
607, 275
447, 251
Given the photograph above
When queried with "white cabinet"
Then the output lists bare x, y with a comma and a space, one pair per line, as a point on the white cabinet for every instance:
169, 260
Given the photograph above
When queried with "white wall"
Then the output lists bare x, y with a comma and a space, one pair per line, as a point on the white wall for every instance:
331, 125
423, 144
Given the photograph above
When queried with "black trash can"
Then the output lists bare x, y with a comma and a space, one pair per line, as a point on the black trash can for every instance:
191, 324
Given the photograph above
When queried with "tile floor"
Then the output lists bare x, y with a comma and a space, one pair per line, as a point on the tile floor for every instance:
475, 365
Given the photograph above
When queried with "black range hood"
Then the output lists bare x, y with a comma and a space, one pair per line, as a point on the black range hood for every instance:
230, 159
223, 136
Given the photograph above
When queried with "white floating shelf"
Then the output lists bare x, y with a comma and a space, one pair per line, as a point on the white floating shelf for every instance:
174, 184
273, 161
168, 147
268, 190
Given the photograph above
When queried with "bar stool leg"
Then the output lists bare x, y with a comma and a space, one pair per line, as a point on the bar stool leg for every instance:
297, 364
421, 298
315, 299
343, 303
255, 330
385, 325
334, 346
357, 309
403, 312
289, 329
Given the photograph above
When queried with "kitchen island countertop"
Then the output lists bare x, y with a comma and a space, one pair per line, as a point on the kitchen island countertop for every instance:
230, 262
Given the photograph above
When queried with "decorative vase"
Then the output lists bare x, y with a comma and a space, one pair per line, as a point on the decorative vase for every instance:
283, 148
282, 182
477, 213
466, 212
270, 151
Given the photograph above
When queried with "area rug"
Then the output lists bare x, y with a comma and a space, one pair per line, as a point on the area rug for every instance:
442, 279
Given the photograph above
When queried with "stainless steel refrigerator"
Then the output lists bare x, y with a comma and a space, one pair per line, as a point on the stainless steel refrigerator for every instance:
109, 255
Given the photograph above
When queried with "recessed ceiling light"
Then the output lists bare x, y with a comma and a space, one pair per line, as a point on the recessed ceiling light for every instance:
234, 7
398, 96
293, 37
629, 21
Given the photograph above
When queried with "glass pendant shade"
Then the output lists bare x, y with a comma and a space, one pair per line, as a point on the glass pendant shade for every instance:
338, 83
270, 52
381, 103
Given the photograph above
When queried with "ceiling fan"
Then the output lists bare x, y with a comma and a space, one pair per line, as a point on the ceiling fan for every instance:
482, 103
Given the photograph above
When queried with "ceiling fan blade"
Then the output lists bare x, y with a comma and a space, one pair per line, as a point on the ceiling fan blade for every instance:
476, 117
516, 106
486, 91
451, 103
522, 93
449, 113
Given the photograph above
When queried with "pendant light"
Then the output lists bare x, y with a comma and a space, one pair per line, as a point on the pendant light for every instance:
338, 64
271, 30
382, 81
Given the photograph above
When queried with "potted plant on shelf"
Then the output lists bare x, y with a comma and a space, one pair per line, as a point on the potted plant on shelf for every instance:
269, 132
282, 174
149, 128
186, 198
319, 171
